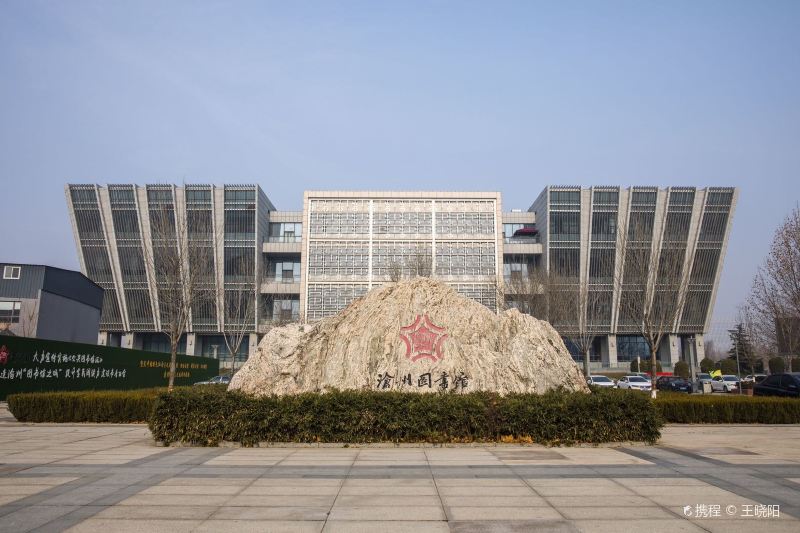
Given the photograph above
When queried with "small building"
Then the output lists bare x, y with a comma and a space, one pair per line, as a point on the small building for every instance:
49, 303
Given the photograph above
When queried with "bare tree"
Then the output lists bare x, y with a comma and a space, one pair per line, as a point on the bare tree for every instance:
774, 302
653, 283
418, 264
239, 304
30, 319
180, 266
395, 271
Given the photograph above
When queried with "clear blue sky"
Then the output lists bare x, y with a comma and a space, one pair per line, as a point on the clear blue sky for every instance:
432, 95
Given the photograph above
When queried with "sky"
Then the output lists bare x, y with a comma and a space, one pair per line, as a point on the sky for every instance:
506, 96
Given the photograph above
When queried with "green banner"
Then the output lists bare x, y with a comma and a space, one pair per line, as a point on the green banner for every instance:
31, 365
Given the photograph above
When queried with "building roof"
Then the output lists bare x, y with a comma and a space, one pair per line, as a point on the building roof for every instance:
55, 280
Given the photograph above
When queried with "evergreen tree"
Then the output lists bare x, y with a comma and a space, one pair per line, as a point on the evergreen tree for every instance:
742, 346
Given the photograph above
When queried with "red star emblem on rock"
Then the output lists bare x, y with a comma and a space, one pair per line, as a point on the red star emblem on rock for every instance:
423, 339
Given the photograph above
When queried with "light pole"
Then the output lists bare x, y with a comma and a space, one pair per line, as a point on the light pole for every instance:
692, 362
735, 336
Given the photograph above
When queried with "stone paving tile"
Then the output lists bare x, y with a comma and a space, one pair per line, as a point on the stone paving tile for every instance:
483, 490
293, 490
403, 490
388, 512
123, 481
104, 525
383, 500
193, 489
209, 481
297, 482
372, 526
490, 500
598, 500
283, 501
156, 512
512, 526
581, 490
502, 513
614, 513
650, 526
176, 499
260, 526
231, 512
747, 526
28, 518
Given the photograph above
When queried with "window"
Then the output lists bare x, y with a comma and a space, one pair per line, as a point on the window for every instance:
284, 271
285, 231
677, 226
240, 195
565, 226
713, 226
239, 264
604, 226
565, 198
9, 312
644, 198
601, 265
11, 272
240, 225
528, 236
606, 197
629, 347
640, 226
772, 381
126, 223
565, 262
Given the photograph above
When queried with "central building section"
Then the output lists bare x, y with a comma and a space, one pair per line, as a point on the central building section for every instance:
359, 240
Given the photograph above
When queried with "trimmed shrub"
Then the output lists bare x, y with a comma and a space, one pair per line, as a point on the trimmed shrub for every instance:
795, 364
681, 369
728, 366
645, 366
84, 406
776, 365
706, 365
208, 417
729, 409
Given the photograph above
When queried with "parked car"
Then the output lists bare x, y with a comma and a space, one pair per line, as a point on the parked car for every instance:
634, 383
216, 380
600, 381
703, 378
787, 384
673, 383
754, 378
726, 383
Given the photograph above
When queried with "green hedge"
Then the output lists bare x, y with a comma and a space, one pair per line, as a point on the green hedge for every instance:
208, 417
85, 406
728, 409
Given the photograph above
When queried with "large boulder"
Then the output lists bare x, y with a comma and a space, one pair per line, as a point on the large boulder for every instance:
417, 335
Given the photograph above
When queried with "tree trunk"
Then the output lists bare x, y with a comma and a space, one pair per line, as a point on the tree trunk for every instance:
586, 370
653, 372
173, 366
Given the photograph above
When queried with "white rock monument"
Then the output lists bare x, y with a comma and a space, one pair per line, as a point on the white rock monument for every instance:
418, 335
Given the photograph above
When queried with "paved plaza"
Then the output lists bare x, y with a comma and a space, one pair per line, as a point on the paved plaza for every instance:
86, 477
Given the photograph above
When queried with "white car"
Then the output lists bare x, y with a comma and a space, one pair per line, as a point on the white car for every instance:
600, 381
634, 383
726, 383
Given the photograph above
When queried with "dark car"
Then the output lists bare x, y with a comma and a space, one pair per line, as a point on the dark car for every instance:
216, 380
673, 383
787, 384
